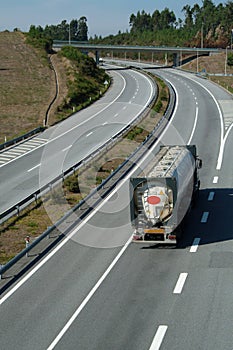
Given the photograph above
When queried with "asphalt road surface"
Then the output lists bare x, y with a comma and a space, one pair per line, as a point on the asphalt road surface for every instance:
99, 291
27, 167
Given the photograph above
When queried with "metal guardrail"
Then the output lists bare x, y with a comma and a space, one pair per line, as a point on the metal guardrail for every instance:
16, 208
89, 203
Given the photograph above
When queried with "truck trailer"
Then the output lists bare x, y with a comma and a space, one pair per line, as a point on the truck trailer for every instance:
163, 193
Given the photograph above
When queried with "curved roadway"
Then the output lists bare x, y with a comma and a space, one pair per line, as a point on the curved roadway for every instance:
27, 167
99, 291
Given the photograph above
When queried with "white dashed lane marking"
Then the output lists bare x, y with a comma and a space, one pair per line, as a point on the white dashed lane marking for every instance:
215, 180
158, 338
195, 245
180, 283
211, 196
205, 216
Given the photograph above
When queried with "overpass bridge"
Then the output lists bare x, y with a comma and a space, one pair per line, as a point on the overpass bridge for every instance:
177, 51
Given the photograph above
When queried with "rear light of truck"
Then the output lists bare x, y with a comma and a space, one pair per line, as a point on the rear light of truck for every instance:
137, 237
172, 237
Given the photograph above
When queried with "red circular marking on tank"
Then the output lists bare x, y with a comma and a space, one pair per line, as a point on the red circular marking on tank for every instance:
153, 200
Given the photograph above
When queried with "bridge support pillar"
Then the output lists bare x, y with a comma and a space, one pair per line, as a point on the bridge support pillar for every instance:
97, 57
176, 59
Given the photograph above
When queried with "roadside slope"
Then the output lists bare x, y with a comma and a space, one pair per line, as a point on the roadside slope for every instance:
27, 85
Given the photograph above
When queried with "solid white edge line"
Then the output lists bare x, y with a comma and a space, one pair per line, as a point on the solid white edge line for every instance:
222, 138
194, 126
76, 126
57, 137
68, 237
88, 297
195, 245
157, 341
180, 283
21, 282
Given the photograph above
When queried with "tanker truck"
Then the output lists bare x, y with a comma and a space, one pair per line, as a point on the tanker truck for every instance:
162, 194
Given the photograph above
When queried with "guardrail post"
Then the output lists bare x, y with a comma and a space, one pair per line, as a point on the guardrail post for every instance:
27, 242
49, 228
1, 266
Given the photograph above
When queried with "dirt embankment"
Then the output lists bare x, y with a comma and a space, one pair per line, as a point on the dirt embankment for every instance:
27, 85
215, 68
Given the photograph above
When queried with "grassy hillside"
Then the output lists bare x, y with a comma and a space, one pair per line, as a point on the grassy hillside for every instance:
28, 83
27, 86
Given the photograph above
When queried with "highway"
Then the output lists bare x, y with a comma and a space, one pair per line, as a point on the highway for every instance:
97, 290
30, 165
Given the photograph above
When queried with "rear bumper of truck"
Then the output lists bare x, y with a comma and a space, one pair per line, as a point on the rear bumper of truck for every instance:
154, 236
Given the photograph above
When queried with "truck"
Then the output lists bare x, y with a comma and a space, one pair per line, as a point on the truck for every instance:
162, 194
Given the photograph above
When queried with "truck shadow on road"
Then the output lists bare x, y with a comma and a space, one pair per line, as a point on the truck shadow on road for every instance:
210, 220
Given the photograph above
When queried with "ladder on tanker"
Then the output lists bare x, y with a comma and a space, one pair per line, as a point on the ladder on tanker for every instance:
167, 162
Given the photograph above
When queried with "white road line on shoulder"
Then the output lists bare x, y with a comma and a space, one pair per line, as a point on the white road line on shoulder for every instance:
157, 341
40, 139
76, 126
90, 133
215, 180
24, 148
222, 137
5, 158
72, 233
180, 283
12, 153
205, 216
88, 297
211, 196
9, 155
16, 151
195, 245
36, 166
194, 126
221, 152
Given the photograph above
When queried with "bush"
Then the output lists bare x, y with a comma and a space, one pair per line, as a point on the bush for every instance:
158, 106
230, 59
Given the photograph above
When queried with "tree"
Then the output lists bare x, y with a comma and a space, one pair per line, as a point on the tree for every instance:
167, 18
188, 16
82, 29
156, 20
73, 29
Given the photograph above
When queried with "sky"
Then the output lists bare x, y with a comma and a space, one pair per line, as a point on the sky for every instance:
104, 17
